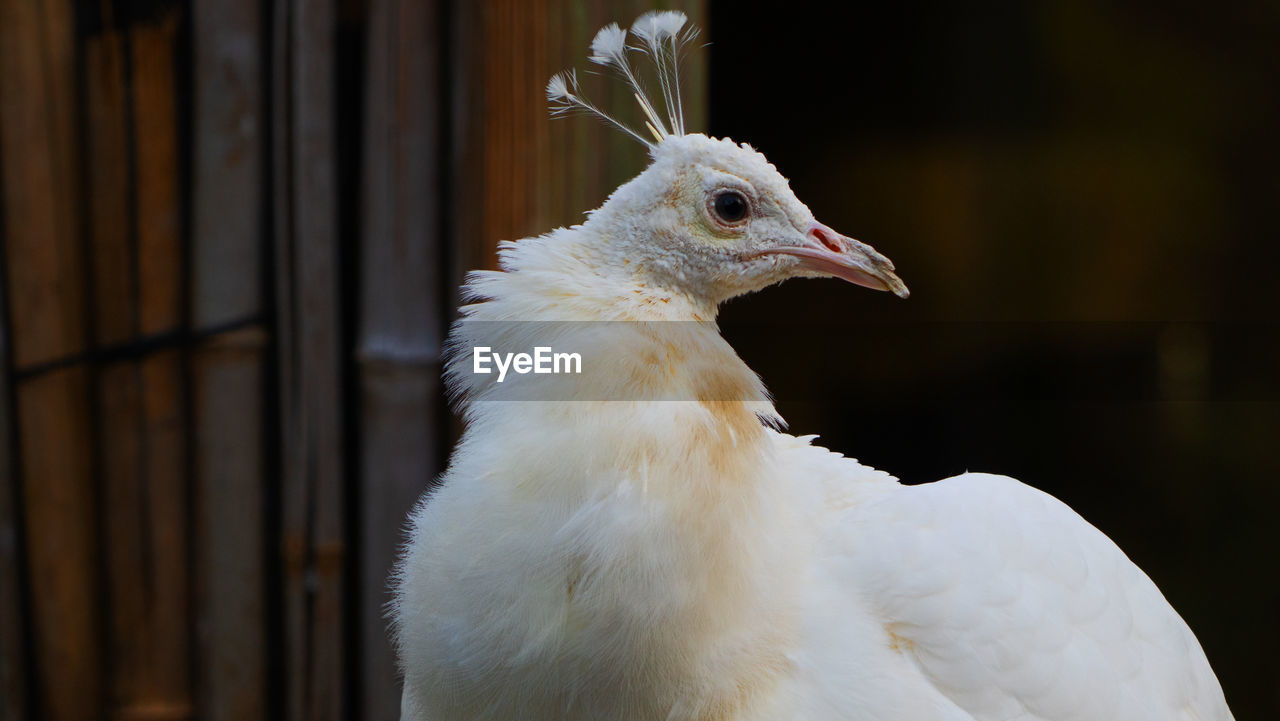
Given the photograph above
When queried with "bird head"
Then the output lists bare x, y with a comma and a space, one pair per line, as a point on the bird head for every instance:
709, 218
713, 219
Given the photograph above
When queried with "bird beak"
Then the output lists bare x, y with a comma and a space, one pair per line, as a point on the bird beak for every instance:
828, 252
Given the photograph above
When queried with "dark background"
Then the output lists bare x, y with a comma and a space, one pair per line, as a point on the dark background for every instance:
1082, 198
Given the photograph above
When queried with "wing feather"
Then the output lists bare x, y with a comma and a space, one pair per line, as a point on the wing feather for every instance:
1014, 607
986, 594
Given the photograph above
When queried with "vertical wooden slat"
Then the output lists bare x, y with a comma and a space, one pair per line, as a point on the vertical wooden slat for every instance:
400, 319
292, 545
309, 301
61, 543
227, 368
167, 652
497, 55
230, 614
165, 505
38, 149
133, 213
126, 573
154, 47
107, 167
464, 142
13, 662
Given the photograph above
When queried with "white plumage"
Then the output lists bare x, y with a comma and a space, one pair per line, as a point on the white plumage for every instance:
643, 543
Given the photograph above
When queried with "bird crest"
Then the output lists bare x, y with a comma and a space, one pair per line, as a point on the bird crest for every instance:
662, 36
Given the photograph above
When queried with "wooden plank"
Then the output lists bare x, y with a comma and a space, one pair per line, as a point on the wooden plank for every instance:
227, 369
293, 543
14, 663
109, 228
119, 466
166, 512
169, 695
118, 413
107, 168
38, 150
400, 321
227, 156
138, 271
155, 116
309, 302
37, 137
231, 633
465, 145
61, 543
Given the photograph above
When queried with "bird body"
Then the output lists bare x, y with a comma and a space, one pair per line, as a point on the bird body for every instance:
643, 542
683, 560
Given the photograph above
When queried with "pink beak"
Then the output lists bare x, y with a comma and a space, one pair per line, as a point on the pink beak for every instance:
830, 253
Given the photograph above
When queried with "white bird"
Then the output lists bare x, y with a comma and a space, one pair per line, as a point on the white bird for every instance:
639, 541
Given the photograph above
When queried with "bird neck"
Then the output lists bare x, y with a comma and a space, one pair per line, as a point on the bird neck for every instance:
581, 273
634, 342
654, 370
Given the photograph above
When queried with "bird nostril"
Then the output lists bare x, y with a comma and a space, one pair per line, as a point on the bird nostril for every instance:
828, 240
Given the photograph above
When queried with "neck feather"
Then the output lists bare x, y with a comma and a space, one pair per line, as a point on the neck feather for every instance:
636, 342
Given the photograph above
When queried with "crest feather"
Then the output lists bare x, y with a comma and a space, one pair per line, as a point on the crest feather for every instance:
565, 96
662, 37
609, 48
657, 26
609, 45
660, 31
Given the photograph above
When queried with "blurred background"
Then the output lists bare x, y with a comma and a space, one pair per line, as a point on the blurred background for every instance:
233, 234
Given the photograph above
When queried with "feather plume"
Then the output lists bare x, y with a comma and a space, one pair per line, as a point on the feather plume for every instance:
662, 36
558, 89
609, 45
609, 48
565, 96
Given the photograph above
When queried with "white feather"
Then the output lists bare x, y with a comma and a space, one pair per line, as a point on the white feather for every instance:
609, 48
663, 36
660, 34
565, 96
558, 88
658, 26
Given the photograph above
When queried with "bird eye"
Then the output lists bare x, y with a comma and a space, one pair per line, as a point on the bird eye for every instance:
730, 206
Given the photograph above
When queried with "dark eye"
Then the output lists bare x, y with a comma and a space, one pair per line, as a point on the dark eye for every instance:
730, 206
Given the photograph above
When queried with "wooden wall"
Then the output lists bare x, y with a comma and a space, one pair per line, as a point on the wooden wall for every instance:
232, 235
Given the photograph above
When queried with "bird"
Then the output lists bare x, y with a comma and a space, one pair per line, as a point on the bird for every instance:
637, 537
